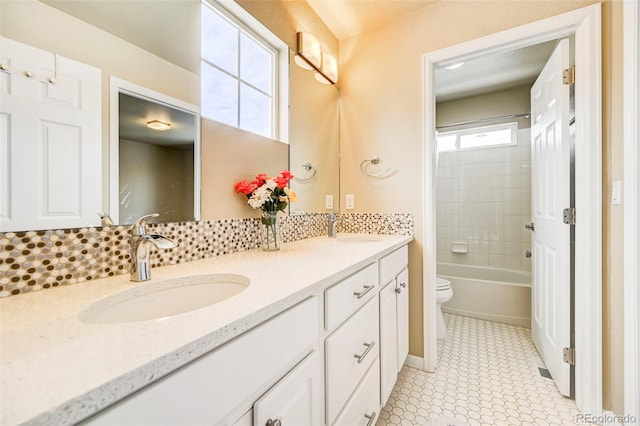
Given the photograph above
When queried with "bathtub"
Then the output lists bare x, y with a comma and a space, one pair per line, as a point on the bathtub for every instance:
502, 295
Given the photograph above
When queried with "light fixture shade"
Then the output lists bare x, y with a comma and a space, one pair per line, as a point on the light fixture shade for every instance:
158, 125
309, 49
322, 79
330, 67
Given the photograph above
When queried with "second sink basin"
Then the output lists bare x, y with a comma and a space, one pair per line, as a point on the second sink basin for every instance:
164, 298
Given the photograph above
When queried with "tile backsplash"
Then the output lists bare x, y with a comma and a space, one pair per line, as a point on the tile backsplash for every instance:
37, 260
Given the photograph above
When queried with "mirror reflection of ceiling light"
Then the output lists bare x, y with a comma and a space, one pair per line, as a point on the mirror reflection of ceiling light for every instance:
158, 125
454, 66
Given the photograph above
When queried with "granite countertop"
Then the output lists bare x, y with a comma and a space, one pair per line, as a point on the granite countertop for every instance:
55, 369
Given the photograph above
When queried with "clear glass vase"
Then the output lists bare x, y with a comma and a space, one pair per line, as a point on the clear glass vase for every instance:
270, 238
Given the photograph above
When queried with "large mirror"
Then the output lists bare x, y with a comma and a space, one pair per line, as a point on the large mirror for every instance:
163, 56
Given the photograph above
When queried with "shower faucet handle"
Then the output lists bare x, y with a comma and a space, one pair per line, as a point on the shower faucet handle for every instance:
531, 226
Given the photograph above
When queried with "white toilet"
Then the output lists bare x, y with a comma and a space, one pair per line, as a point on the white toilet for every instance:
444, 293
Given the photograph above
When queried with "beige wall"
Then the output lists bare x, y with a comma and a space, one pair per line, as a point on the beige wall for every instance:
230, 155
381, 114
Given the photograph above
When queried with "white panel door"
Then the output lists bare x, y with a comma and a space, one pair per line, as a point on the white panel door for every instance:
50, 140
550, 188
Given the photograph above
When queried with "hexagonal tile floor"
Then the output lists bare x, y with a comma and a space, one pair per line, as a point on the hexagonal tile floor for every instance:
487, 375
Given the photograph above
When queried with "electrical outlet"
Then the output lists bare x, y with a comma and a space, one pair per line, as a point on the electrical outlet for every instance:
328, 201
350, 203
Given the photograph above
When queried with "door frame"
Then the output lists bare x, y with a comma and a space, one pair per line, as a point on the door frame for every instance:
585, 25
631, 81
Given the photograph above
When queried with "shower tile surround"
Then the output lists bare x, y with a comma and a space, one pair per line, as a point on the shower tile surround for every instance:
37, 260
484, 199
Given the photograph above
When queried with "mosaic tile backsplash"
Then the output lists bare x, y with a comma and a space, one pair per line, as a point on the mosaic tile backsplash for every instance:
37, 260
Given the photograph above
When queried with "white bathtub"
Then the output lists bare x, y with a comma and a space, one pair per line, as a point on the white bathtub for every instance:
502, 295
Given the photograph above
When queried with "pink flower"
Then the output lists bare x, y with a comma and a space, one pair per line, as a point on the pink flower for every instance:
245, 187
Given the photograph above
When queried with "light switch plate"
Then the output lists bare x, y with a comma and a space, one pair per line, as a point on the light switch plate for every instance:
350, 202
328, 201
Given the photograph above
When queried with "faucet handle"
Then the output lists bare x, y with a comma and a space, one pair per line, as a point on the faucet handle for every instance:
138, 227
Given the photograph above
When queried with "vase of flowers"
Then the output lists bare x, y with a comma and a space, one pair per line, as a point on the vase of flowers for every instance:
270, 195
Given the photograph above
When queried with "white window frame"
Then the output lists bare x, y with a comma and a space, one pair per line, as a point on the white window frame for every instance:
513, 126
235, 14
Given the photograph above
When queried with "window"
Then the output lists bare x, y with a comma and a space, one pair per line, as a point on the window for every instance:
239, 74
478, 137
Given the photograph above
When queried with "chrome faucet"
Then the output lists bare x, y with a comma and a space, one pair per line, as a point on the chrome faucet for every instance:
332, 223
140, 250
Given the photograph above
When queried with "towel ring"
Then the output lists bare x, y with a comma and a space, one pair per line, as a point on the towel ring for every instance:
373, 160
308, 167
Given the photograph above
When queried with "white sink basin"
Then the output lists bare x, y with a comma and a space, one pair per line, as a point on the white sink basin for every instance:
164, 299
358, 239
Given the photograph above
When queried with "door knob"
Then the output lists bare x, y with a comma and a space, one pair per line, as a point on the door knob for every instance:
531, 226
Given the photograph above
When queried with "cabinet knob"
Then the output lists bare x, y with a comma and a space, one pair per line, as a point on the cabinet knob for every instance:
398, 290
275, 422
29, 74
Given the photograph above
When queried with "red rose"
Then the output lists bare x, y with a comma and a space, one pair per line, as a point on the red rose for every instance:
245, 187
281, 182
286, 174
262, 177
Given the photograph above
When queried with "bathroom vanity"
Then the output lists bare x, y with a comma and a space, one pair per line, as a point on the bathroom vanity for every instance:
317, 337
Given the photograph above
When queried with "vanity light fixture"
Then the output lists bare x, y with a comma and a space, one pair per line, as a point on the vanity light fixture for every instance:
158, 125
310, 56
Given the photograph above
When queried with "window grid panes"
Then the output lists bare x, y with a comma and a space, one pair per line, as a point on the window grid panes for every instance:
238, 71
477, 137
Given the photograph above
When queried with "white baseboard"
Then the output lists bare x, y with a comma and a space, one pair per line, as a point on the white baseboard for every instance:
415, 362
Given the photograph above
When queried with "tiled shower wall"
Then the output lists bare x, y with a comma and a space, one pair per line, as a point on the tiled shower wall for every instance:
37, 260
484, 199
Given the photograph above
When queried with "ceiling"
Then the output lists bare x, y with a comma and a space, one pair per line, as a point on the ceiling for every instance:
499, 71
347, 18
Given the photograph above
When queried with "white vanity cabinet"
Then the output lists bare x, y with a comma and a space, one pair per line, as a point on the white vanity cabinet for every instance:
221, 385
394, 318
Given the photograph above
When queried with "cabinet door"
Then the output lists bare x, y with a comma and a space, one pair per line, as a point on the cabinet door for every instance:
294, 400
388, 341
402, 316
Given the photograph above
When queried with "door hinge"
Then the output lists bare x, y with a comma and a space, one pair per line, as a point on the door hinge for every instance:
569, 75
569, 216
569, 356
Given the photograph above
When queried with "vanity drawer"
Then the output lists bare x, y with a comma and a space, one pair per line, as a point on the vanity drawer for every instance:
363, 407
348, 295
393, 263
349, 353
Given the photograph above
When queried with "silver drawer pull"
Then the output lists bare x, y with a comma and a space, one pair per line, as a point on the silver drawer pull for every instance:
367, 289
403, 285
371, 418
275, 422
366, 351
